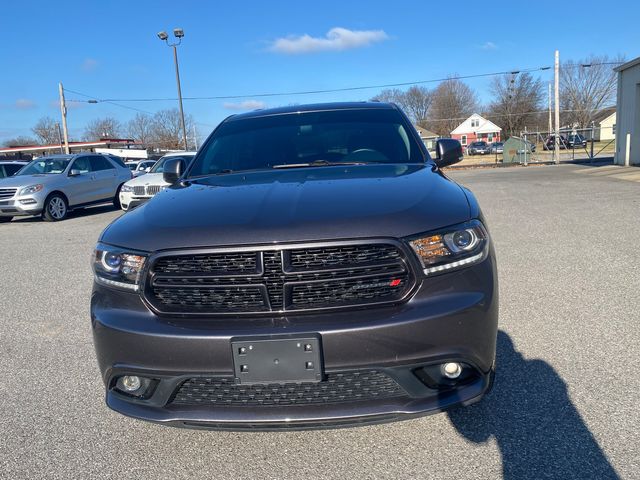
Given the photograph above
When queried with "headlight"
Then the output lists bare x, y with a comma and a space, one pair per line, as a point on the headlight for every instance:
452, 248
31, 189
126, 188
115, 267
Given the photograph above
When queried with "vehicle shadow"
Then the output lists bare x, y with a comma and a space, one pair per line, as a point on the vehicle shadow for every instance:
79, 213
538, 430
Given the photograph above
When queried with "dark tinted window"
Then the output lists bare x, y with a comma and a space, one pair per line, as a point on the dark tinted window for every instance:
82, 164
366, 135
10, 169
100, 163
118, 160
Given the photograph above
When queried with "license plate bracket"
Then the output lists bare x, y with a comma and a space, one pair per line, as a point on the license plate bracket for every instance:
292, 359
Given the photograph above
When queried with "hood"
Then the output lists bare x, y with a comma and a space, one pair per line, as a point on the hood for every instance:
146, 179
293, 205
26, 180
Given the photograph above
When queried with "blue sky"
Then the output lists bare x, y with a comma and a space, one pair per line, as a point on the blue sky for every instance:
110, 50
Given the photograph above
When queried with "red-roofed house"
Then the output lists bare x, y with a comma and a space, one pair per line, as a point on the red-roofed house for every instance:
476, 128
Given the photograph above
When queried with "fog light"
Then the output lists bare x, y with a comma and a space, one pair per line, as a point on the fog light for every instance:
131, 383
451, 370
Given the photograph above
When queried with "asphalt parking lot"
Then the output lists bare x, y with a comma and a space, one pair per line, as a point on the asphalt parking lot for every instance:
564, 404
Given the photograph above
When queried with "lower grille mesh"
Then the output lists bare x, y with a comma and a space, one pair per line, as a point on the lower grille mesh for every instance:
337, 388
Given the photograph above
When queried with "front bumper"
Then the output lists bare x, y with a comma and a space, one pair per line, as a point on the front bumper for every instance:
23, 205
451, 317
129, 201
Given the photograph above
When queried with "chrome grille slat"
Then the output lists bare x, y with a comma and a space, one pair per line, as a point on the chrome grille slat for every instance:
6, 193
270, 280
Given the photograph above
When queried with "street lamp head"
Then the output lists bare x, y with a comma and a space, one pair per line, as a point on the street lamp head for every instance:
163, 35
178, 32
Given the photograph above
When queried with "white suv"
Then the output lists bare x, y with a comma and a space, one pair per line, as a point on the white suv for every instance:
142, 188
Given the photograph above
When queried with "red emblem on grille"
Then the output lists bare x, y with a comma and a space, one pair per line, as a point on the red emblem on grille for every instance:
395, 282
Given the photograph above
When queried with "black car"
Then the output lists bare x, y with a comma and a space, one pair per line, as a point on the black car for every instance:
576, 141
311, 267
10, 167
550, 141
478, 148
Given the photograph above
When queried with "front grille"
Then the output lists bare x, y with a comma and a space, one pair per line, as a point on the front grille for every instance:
138, 190
292, 279
345, 387
7, 193
153, 189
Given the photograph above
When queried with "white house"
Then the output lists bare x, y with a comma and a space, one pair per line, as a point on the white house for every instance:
608, 128
428, 137
628, 114
474, 128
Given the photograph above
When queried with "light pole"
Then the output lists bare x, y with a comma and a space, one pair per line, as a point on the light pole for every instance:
179, 33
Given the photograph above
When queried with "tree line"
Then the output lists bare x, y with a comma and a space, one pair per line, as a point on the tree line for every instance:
519, 100
163, 130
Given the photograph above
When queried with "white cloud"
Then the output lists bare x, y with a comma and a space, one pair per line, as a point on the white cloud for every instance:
245, 105
336, 39
489, 46
89, 64
25, 104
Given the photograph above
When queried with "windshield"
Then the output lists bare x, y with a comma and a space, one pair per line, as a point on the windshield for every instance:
308, 139
45, 166
159, 165
132, 166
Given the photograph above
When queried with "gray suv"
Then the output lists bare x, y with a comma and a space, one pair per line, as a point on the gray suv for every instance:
52, 186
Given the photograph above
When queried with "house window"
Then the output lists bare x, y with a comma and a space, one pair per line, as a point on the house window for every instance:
474, 122
463, 140
490, 137
613, 129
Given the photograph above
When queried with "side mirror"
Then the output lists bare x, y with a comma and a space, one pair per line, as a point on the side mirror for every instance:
172, 171
448, 152
74, 173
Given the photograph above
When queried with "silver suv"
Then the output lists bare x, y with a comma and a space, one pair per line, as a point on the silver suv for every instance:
52, 186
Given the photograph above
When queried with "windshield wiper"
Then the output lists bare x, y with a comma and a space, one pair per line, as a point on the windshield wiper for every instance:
316, 163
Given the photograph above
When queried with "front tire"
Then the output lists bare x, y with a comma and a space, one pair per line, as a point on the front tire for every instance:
55, 208
116, 199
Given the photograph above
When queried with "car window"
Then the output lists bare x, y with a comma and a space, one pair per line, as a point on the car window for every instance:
158, 167
45, 165
11, 169
118, 160
82, 164
367, 136
99, 163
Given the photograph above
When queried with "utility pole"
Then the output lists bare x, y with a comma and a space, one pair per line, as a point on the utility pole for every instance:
59, 136
184, 128
195, 137
550, 122
556, 149
63, 111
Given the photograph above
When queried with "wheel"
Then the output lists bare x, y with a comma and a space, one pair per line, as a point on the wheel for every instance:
5, 219
116, 199
55, 208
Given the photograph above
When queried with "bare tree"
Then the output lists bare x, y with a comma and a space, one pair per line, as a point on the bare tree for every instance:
453, 101
46, 130
415, 101
167, 129
517, 101
586, 87
107, 127
140, 128
20, 141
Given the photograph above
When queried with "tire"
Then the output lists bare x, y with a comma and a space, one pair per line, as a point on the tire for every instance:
116, 199
55, 208
5, 219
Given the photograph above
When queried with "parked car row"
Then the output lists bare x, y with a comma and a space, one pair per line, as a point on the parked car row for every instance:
53, 185
565, 142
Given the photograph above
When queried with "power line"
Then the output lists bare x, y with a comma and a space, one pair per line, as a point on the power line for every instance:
345, 89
